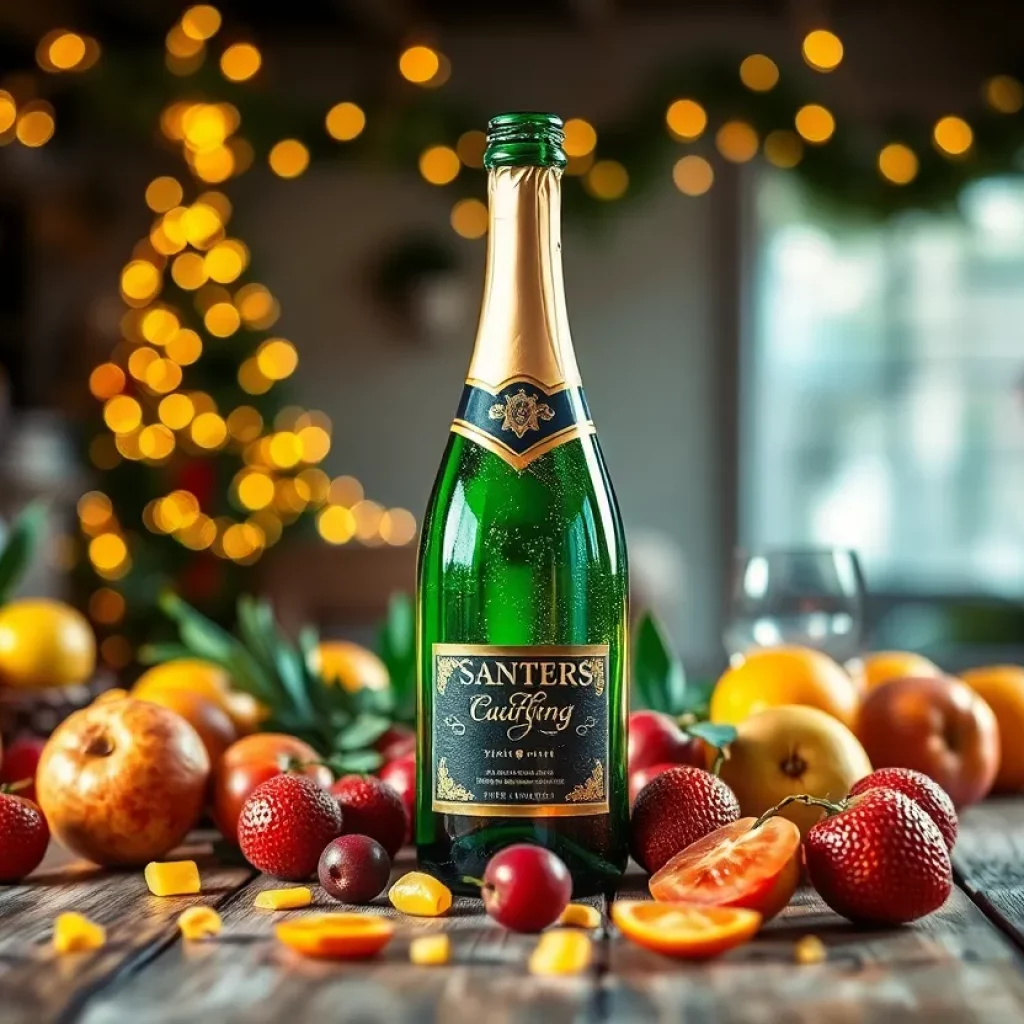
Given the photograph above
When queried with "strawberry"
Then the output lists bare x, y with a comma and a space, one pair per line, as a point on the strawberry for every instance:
925, 792
285, 824
24, 836
878, 858
372, 808
677, 808
20, 761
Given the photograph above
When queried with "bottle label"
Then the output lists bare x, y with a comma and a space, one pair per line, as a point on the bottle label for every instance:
520, 731
521, 420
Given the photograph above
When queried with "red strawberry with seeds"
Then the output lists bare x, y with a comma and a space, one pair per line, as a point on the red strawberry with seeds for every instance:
372, 808
677, 808
925, 792
285, 825
878, 858
24, 836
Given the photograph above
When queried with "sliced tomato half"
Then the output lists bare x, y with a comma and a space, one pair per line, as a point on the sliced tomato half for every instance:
736, 866
683, 929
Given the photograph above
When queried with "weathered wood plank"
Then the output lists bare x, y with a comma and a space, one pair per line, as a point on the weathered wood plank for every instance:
36, 985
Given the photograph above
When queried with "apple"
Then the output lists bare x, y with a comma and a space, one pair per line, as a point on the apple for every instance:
122, 782
938, 726
400, 775
655, 738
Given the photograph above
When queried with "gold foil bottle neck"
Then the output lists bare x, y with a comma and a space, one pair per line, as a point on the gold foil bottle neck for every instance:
524, 328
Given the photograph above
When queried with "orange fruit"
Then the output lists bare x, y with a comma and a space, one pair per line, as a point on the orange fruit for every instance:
336, 936
210, 720
354, 667
45, 643
685, 930
1002, 688
882, 666
784, 675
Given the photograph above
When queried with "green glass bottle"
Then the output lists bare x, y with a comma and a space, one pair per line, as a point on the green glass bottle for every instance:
522, 596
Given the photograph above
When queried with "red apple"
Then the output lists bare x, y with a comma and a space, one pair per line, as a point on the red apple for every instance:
938, 726
396, 741
655, 738
400, 775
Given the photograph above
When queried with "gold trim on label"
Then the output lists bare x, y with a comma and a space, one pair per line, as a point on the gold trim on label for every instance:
520, 810
515, 460
474, 650
521, 378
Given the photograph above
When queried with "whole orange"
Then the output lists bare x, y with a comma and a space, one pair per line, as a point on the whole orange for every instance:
1002, 688
44, 643
215, 728
121, 782
879, 667
775, 676
354, 667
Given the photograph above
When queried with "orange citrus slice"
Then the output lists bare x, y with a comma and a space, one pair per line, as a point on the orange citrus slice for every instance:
685, 930
336, 936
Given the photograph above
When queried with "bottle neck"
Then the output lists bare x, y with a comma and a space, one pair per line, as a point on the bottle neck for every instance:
524, 329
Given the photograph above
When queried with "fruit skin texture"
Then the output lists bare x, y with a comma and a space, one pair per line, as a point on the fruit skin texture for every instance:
882, 860
372, 808
215, 728
205, 679
350, 665
684, 930
400, 775
24, 836
784, 675
880, 667
676, 809
526, 887
640, 778
1002, 688
44, 643
354, 869
788, 750
251, 761
940, 727
122, 782
925, 792
285, 825
655, 738
20, 762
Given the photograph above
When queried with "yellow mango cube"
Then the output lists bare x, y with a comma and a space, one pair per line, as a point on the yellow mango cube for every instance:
562, 951
420, 895
430, 950
284, 899
75, 933
173, 878
199, 923
579, 915
810, 950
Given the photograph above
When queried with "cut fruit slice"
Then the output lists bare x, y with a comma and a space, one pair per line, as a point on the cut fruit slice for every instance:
336, 936
736, 866
685, 930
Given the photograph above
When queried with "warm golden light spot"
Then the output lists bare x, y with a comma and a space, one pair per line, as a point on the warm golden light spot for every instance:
223, 263
241, 541
8, 110
156, 441
345, 491
245, 423
189, 271
213, 165
397, 527
277, 358
200, 535
258, 308
897, 163
240, 62
163, 242
686, 120
218, 202
201, 21
577, 166
315, 443
222, 319
580, 137
128, 445
162, 193
815, 123
439, 165
202, 402
419, 64
242, 153
953, 135
66, 51
285, 449
368, 515
470, 148
185, 347
201, 225
103, 453
163, 376
178, 511
108, 551
822, 50
209, 430
209, 295
159, 326
255, 490
141, 360
288, 499
288, 158
783, 148
693, 175
317, 484
116, 651
469, 218
106, 606
337, 525
736, 141
345, 121
759, 73
182, 66
251, 379
94, 510
106, 380
35, 128
176, 411
607, 180
1003, 93
122, 414
182, 46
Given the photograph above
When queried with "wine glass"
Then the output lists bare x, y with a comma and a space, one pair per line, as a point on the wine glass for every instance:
810, 597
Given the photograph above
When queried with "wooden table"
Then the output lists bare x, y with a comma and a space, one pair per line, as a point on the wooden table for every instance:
962, 964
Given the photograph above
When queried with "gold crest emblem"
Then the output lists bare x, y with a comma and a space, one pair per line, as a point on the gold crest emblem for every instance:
521, 413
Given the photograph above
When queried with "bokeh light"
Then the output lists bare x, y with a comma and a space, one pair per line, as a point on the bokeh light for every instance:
156, 441
176, 411
108, 552
693, 175
106, 380
823, 50
201, 21
116, 651
94, 510
188, 271
251, 379
686, 120
208, 430
1004, 93
163, 193
439, 165
159, 325
255, 490
222, 319
285, 449
607, 180
258, 308
35, 127
185, 347
277, 358
815, 123
345, 121
580, 137
106, 606
122, 414
8, 110
736, 141
141, 360
953, 135
346, 491
897, 163
245, 423
315, 443
469, 218
470, 147
759, 73
288, 158
419, 64
783, 148
224, 262
336, 524
66, 51
163, 376
397, 527
240, 61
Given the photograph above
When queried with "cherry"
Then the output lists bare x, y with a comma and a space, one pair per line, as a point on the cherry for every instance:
354, 869
400, 775
525, 887
640, 778
655, 738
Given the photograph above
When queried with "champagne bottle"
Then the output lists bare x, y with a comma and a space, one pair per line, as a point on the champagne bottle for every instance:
522, 597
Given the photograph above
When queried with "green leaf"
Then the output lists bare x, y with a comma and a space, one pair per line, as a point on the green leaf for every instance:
157, 654
718, 736
361, 761
362, 733
22, 542
657, 672
396, 645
